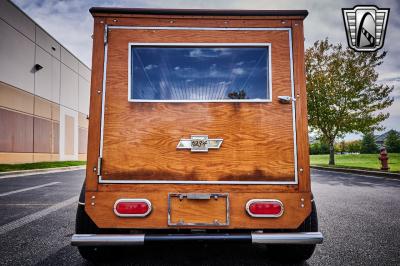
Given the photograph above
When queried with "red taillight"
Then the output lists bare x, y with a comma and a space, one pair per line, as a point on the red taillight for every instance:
132, 207
264, 208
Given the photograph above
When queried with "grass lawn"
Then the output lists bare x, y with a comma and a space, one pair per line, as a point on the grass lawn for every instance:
360, 161
41, 165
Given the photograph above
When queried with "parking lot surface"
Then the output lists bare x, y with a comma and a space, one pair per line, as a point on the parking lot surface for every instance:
358, 215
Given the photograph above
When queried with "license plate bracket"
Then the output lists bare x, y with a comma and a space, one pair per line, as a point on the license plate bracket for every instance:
198, 209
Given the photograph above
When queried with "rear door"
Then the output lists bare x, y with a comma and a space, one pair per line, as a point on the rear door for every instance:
198, 105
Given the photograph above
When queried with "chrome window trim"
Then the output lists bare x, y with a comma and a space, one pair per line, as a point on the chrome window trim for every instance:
104, 181
294, 182
264, 215
132, 215
190, 44
103, 96
293, 106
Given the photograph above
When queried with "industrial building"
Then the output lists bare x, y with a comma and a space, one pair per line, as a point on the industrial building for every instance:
44, 94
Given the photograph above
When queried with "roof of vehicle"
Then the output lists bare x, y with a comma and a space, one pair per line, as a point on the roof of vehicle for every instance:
199, 12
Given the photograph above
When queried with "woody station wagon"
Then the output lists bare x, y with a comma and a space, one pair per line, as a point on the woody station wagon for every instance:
198, 131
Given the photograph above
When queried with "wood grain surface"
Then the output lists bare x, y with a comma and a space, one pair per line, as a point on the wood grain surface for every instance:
101, 211
303, 158
205, 211
95, 105
140, 138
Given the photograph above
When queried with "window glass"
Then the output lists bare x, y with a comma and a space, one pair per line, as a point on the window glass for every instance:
204, 73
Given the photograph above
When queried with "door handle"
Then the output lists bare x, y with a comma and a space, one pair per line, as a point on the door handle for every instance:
285, 99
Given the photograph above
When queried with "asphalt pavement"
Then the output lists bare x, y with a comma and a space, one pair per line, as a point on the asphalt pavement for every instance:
358, 215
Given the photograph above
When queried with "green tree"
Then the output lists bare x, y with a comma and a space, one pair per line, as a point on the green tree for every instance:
341, 147
319, 147
392, 142
368, 144
354, 146
315, 148
342, 92
324, 148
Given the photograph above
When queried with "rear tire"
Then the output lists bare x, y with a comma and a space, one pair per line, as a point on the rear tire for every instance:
297, 253
85, 225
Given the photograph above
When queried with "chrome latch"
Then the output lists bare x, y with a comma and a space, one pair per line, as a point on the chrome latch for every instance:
285, 99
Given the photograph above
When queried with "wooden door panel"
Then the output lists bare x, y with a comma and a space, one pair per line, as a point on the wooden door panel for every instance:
140, 138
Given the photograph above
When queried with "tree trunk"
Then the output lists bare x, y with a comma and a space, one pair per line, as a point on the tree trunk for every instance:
331, 153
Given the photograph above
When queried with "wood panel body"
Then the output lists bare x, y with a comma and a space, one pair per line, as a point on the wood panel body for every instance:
203, 211
303, 157
148, 130
174, 21
103, 215
258, 137
96, 88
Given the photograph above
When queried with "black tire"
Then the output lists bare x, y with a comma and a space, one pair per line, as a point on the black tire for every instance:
85, 225
297, 253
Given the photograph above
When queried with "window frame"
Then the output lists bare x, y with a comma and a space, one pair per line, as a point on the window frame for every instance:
269, 72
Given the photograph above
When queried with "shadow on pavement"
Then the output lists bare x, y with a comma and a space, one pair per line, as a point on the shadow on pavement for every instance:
190, 254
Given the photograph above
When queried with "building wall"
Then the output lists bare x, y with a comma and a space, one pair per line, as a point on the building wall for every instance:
43, 113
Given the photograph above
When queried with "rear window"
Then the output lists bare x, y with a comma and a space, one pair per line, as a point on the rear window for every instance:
199, 73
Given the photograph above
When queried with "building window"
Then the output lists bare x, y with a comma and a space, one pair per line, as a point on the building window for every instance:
199, 73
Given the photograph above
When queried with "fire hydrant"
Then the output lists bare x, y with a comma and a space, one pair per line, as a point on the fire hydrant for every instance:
383, 157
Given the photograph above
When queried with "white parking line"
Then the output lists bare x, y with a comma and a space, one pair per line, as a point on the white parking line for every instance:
40, 172
35, 216
28, 188
24, 204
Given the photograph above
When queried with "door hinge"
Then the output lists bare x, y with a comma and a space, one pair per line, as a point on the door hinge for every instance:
105, 34
99, 160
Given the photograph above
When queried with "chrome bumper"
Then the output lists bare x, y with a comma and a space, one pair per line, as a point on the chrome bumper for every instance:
287, 238
140, 239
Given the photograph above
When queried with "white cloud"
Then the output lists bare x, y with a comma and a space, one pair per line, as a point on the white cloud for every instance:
195, 53
222, 51
213, 71
224, 83
150, 67
238, 71
177, 68
215, 52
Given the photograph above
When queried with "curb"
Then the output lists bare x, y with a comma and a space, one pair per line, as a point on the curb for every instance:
40, 171
357, 171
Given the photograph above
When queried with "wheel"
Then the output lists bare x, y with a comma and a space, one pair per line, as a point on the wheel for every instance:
85, 225
297, 253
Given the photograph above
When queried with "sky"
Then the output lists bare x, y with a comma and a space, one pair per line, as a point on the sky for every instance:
71, 24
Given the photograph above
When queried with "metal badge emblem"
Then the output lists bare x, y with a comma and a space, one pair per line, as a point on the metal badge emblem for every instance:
199, 143
365, 27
